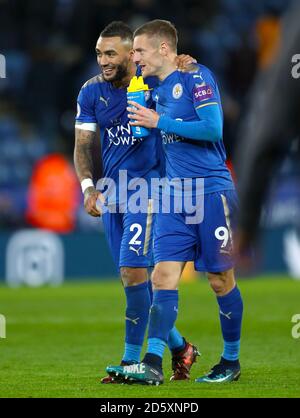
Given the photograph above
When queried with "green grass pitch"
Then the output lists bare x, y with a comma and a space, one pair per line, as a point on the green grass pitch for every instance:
59, 341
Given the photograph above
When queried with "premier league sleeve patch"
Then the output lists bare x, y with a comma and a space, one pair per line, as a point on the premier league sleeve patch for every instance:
201, 93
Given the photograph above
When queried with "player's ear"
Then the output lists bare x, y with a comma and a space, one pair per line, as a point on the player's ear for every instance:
163, 49
131, 53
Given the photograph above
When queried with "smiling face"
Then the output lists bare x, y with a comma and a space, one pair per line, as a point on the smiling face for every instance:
147, 55
114, 57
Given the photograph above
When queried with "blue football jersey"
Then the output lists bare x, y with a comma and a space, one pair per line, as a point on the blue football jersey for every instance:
179, 96
99, 102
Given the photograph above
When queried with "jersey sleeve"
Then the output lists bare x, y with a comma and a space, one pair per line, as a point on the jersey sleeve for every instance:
85, 118
203, 88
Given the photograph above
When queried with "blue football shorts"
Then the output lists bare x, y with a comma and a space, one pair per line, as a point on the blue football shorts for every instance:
208, 243
130, 237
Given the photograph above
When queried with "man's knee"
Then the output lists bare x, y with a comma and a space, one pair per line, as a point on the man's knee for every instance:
165, 278
159, 278
222, 283
132, 276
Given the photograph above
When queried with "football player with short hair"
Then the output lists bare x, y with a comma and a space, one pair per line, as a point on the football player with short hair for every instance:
189, 115
102, 102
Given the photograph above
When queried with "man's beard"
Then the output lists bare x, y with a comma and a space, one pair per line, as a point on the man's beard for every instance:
121, 72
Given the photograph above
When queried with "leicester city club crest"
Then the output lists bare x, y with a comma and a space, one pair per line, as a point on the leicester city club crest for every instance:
177, 91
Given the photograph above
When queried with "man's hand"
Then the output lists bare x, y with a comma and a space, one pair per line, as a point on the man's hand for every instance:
185, 63
142, 116
91, 195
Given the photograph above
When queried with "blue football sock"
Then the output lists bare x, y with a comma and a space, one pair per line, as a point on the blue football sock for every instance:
175, 341
132, 353
156, 346
231, 350
137, 315
231, 312
163, 315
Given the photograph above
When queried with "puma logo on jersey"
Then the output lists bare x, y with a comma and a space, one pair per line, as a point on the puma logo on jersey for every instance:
135, 321
134, 368
198, 76
104, 100
136, 250
226, 315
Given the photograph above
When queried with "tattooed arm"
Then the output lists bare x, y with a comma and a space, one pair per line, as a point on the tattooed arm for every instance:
97, 158
84, 157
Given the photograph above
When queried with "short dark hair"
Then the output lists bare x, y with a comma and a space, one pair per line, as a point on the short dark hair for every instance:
117, 28
160, 28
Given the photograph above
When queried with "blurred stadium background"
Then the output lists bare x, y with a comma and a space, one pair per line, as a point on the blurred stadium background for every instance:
49, 52
45, 235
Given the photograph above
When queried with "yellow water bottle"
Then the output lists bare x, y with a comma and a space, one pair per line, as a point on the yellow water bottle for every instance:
136, 92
